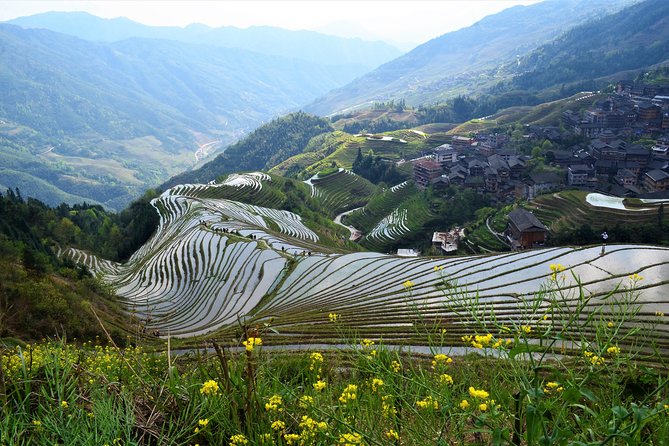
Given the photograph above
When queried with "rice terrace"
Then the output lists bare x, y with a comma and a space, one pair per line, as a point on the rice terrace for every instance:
334, 223
216, 263
512, 348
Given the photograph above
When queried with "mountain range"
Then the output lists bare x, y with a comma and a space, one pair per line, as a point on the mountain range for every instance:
467, 60
118, 107
102, 121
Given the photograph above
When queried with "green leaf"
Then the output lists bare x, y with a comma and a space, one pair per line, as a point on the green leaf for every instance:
525, 348
588, 395
619, 411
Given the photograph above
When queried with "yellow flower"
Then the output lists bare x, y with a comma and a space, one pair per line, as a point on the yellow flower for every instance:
203, 423
391, 434
64, 404
659, 314
464, 404
555, 269
448, 379
553, 387
37, 423
526, 329
408, 284
376, 383
367, 342
291, 438
636, 278
274, 404
478, 393
594, 359
333, 317
441, 359
238, 440
395, 366
610, 325
438, 267
349, 394
387, 406
428, 402
278, 425
613, 351
209, 388
350, 439
483, 407
251, 343
320, 385
306, 401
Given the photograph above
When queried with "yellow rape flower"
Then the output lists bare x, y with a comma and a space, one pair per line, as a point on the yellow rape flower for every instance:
478, 393
349, 394
483, 407
320, 385
408, 284
553, 387
395, 366
209, 388
428, 402
238, 440
376, 384
447, 379
251, 343
274, 404
278, 425
203, 423
333, 317
291, 438
350, 439
613, 351
464, 404
64, 404
306, 401
392, 434
441, 359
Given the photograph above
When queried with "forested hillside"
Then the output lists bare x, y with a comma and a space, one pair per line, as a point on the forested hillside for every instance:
265, 147
465, 61
633, 38
42, 294
102, 122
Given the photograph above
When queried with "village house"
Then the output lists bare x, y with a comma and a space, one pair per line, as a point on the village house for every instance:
424, 171
656, 180
525, 230
579, 175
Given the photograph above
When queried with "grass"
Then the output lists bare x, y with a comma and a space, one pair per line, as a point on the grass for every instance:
563, 372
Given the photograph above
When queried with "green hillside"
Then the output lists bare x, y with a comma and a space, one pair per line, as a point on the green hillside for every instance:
633, 38
104, 121
263, 148
466, 61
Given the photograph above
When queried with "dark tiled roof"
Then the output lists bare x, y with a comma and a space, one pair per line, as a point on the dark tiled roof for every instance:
525, 220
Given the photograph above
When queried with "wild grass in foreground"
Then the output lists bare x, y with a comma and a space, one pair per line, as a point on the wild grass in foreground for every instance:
566, 372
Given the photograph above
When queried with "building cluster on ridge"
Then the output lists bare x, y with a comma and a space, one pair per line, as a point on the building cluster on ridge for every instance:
606, 162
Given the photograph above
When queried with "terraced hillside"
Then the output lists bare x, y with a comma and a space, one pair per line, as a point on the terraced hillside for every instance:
341, 190
389, 216
215, 263
570, 209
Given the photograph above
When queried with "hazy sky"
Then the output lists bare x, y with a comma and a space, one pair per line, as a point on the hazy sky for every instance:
395, 20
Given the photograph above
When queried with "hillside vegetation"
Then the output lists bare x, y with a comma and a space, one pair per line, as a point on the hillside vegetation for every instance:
104, 121
464, 61
265, 147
